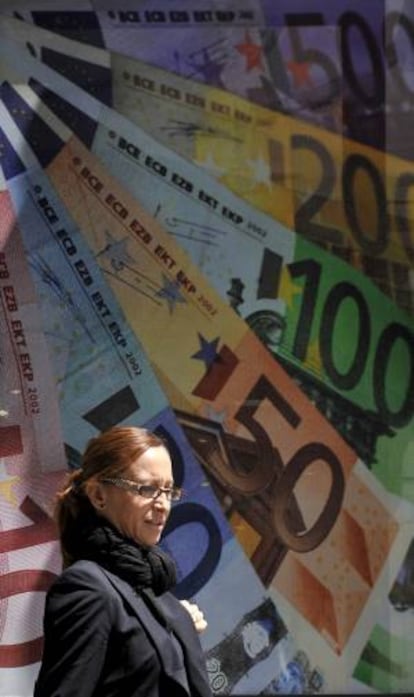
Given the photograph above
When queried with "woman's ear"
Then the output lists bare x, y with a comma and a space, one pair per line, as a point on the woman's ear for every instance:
95, 491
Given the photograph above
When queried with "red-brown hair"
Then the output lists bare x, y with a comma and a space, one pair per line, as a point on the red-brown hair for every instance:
107, 455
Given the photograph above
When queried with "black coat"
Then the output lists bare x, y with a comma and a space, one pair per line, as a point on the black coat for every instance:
102, 640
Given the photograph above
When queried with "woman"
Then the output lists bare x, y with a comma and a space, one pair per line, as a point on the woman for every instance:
111, 626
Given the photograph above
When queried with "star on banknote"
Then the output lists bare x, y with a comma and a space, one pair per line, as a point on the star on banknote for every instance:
170, 291
207, 352
116, 251
210, 164
262, 173
252, 52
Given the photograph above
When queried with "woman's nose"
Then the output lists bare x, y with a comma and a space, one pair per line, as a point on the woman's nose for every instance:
162, 500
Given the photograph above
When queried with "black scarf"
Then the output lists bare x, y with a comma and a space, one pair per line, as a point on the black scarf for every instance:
148, 570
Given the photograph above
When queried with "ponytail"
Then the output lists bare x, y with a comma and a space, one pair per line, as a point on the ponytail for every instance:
71, 507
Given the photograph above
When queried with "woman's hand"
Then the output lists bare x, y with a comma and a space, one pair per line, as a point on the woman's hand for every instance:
196, 615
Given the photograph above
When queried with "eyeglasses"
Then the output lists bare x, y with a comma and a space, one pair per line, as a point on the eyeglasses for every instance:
147, 491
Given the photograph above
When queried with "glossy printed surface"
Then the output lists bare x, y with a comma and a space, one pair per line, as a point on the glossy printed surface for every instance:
214, 229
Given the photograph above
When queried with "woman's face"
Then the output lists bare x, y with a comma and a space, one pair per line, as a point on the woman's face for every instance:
136, 517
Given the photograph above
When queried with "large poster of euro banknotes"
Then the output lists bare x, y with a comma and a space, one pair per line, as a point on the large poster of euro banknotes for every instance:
207, 225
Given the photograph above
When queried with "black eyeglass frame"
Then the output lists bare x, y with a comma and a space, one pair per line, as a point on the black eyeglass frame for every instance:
173, 493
